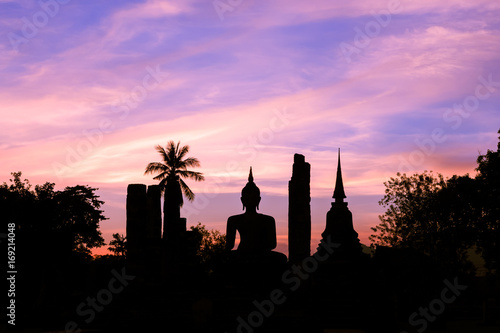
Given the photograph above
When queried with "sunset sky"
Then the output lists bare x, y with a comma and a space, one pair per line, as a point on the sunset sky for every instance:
89, 88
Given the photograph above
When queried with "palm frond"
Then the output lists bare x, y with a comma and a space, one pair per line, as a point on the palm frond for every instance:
182, 152
172, 154
197, 176
155, 167
163, 154
191, 162
163, 175
186, 190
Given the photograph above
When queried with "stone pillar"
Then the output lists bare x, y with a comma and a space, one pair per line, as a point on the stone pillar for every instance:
144, 230
182, 225
171, 212
136, 220
299, 210
153, 227
174, 227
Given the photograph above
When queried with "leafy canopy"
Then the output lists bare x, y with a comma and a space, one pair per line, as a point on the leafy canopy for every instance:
118, 245
444, 217
66, 220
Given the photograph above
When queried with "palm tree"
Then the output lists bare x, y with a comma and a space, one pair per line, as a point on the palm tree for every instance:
174, 168
170, 173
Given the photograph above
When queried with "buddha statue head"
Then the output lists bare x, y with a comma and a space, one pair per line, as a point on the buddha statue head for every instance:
250, 194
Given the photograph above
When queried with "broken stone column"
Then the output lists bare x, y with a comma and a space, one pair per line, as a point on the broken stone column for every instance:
172, 212
143, 229
136, 220
299, 210
153, 227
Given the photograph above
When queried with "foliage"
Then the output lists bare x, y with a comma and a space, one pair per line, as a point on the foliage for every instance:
118, 245
407, 199
210, 243
430, 214
444, 217
55, 232
172, 169
488, 179
66, 221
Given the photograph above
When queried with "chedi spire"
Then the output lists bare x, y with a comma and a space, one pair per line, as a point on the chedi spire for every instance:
339, 227
338, 193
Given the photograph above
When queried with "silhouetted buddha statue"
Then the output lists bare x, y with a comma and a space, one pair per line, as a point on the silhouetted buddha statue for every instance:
257, 231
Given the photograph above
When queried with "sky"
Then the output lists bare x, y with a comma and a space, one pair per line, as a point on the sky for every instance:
89, 88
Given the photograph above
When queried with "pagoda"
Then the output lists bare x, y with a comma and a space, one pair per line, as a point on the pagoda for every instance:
339, 227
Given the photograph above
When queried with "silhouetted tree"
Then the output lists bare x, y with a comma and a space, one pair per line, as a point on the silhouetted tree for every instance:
67, 220
408, 199
118, 245
432, 215
211, 243
445, 218
55, 232
205, 249
488, 180
173, 168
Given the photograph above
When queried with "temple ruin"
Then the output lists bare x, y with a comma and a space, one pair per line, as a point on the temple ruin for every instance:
144, 219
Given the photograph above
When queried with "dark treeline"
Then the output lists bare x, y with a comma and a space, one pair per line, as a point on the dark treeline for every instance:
55, 232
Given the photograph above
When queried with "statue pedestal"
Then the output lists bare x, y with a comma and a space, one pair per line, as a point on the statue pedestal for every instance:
254, 270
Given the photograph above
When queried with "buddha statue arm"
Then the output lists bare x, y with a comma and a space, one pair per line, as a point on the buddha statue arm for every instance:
230, 234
